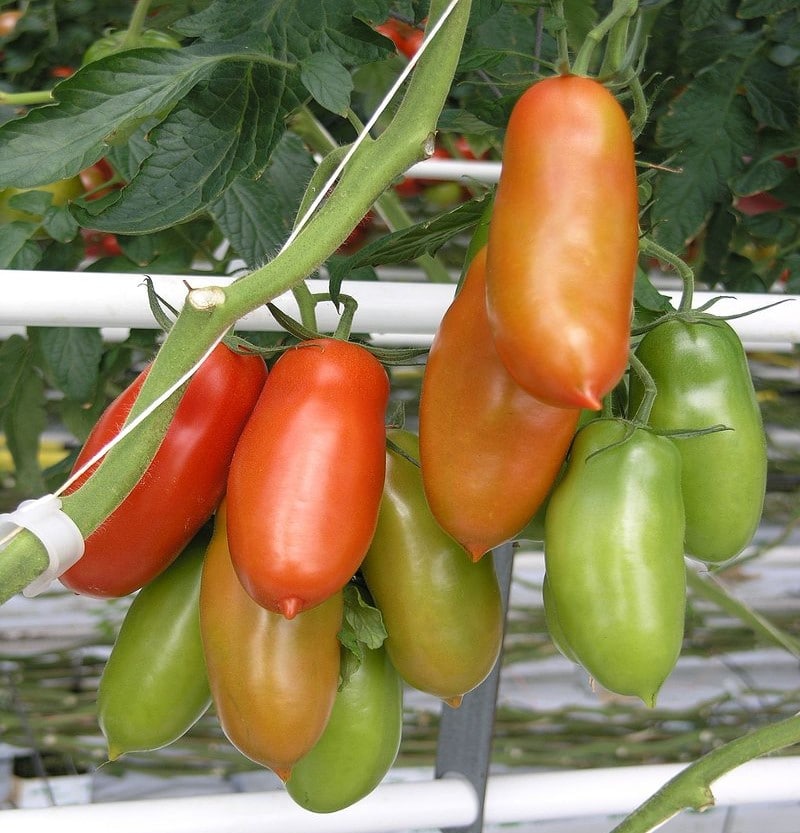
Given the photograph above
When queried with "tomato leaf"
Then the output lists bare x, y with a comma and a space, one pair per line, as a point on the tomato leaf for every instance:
362, 628
712, 128
329, 83
17, 249
772, 94
22, 412
72, 356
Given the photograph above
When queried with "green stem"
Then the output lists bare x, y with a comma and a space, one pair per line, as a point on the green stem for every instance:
713, 590
562, 38
691, 788
210, 313
616, 48
620, 10
648, 397
23, 99
136, 24
306, 304
640, 109
649, 247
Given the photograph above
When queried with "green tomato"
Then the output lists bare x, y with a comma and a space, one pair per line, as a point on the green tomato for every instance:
360, 741
703, 379
614, 556
62, 191
443, 612
553, 625
115, 42
154, 686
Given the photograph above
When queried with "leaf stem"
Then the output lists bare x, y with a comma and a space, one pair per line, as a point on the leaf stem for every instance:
620, 9
648, 384
23, 99
649, 247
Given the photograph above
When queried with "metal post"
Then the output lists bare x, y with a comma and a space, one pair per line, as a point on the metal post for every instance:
465, 733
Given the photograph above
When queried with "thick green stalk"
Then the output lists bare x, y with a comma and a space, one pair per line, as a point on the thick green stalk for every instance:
208, 313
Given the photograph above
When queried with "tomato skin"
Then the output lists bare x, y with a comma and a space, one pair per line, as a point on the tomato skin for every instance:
407, 39
703, 379
490, 452
614, 556
443, 613
553, 624
360, 741
154, 687
183, 484
306, 479
63, 191
273, 680
562, 252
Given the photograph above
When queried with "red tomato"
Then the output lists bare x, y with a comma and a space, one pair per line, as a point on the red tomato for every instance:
95, 177
8, 22
406, 38
563, 242
100, 244
273, 680
307, 476
62, 72
183, 484
489, 451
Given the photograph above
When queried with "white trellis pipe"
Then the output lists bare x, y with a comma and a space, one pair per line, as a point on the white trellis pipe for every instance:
446, 802
414, 308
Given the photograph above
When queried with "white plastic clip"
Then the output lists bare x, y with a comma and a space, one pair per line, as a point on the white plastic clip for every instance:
54, 528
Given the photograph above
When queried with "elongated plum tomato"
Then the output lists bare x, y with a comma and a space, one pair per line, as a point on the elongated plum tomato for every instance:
614, 557
154, 687
443, 613
182, 485
360, 741
306, 479
273, 680
563, 242
489, 451
703, 379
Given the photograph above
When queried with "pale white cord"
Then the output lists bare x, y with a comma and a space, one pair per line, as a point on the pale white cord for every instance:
429, 35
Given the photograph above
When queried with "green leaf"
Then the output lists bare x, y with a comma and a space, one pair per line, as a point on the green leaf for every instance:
17, 248
410, 243
59, 223
759, 177
761, 8
464, 122
72, 355
22, 407
712, 130
702, 13
329, 83
257, 215
362, 627
772, 93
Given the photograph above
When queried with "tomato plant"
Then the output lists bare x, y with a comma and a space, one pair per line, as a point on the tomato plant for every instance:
154, 686
443, 613
614, 556
561, 254
273, 680
183, 484
62, 192
118, 41
703, 381
306, 479
490, 451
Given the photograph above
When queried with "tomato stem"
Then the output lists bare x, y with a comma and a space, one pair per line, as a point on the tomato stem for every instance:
646, 405
649, 247
562, 38
23, 99
136, 24
306, 304
621, 9
691, 788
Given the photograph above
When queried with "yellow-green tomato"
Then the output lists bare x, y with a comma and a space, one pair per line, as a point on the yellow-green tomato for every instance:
360, 741
63, 191
443, 612
154, 686
614, 556
703, 379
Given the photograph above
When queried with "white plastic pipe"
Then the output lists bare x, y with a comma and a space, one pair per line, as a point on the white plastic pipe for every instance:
447, 802
415, 308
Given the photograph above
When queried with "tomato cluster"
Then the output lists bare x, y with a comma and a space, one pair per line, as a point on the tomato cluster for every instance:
320, 511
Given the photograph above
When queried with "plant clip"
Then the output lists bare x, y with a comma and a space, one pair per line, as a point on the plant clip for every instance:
58, 533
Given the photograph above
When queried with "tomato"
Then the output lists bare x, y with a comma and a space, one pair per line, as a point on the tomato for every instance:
113, 43
8, 22
490, 452
183, 484
95, 178
100, 244
614, 556
360, 741
154, 687
703, 379
63, 191
306, 479
553, 625
443, 613
563, 242
407, 39
273, 680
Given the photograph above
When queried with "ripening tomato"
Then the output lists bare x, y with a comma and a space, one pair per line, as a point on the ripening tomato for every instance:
490, 451
182, 485
306, 479
62, 192
273, 680
406, 38
563, 242
9, 21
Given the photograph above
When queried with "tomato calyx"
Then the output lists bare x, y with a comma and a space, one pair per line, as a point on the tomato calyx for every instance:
362, 628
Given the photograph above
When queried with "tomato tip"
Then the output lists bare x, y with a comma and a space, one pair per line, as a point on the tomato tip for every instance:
290, 607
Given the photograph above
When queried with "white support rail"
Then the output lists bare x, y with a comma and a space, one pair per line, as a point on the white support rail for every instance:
404, 310
417, 805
